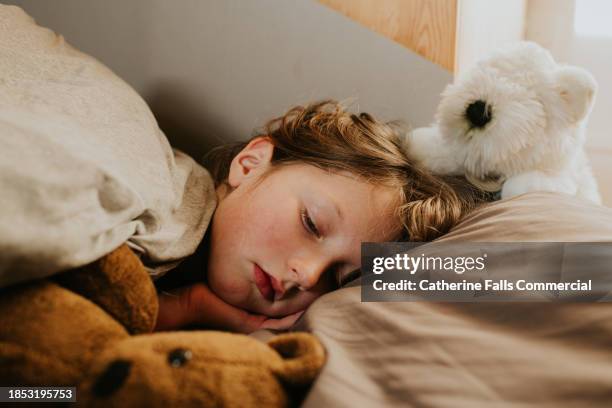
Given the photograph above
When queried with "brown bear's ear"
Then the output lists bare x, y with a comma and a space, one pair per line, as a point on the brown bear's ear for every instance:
303, 357
577, 89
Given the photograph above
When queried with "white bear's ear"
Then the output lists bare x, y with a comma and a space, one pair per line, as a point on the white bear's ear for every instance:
577, 89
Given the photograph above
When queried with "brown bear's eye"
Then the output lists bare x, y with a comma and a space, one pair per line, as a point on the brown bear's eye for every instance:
178, 357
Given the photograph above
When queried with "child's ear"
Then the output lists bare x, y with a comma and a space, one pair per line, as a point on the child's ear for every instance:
254, 159
577, 89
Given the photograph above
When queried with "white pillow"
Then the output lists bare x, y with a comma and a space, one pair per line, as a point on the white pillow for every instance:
84, 166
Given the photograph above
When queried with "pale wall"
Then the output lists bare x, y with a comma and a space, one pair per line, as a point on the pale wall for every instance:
551, 24
214, 70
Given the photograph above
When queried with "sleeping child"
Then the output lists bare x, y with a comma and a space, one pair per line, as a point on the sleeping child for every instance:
294, 205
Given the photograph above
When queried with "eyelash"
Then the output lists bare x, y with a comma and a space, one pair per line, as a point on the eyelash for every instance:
309, 224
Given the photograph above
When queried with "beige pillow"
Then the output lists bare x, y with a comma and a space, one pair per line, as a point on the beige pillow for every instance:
541, 216
473, 354
84, 166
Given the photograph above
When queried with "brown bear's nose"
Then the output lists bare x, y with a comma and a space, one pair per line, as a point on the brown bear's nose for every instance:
112, 378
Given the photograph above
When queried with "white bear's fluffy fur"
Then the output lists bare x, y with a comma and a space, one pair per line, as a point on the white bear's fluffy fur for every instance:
534, 140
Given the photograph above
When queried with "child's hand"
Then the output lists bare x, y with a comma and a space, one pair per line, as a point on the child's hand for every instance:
197, 304
255, 322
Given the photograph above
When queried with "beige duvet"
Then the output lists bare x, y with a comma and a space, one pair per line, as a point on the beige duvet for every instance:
83, 165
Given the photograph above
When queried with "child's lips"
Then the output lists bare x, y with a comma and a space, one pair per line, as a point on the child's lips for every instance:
264, 283
270, 287
278, 287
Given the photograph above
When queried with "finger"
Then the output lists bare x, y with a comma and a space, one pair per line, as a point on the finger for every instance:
283, 323
251, 323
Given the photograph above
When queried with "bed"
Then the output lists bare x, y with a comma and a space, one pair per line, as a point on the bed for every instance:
379, 354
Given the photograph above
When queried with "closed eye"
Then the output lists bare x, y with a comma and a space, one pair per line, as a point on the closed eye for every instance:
309, 224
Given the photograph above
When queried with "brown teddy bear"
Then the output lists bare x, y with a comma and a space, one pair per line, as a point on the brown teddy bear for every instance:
90, 328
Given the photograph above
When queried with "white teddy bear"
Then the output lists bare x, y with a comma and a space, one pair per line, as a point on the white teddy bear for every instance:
515, 122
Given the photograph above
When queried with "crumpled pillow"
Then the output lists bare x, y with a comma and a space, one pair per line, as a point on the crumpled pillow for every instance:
84, 166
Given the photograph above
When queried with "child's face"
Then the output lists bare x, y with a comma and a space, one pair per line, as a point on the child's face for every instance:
287, 226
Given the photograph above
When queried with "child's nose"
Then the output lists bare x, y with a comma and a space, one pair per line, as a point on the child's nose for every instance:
306, 273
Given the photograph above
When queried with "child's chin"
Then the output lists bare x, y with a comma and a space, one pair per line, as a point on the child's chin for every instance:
262, 307
251, 302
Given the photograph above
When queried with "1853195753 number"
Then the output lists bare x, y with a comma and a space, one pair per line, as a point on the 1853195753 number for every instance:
40, 394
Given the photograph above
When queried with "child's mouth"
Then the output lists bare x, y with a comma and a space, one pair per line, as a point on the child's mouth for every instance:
264, 283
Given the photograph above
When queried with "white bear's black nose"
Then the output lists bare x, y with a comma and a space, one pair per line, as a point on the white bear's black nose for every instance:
478, 113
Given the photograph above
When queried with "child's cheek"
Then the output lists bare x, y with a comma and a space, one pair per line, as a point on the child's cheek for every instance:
275, 228
228, 285
277, 238
233, 285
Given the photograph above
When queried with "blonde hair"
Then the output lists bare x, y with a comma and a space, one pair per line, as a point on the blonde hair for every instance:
326, 135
